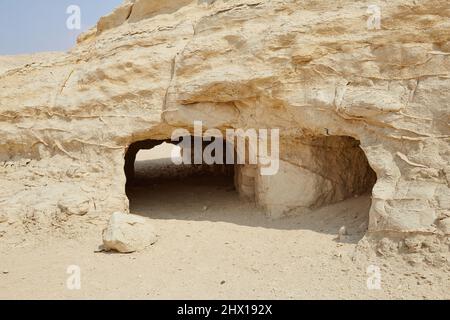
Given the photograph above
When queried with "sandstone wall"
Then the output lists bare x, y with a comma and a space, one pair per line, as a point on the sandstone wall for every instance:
310, 68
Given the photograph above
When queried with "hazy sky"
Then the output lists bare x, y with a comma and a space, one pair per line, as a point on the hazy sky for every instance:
28, 26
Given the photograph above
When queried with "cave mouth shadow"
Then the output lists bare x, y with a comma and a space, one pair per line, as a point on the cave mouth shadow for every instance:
151, 162
159, 189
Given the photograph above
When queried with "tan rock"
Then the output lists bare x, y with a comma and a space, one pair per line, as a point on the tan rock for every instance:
444, 225
115, 19
3, 218
74, 204
128, 233
347, 100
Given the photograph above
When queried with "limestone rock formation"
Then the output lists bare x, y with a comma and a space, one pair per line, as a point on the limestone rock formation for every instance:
128, 233
347, 99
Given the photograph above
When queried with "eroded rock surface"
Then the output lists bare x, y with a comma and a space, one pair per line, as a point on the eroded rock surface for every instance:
310, 68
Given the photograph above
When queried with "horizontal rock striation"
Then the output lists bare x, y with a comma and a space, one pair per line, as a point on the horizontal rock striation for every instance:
313, 69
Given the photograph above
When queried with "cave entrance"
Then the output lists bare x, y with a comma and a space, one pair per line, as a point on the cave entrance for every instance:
326, 178
158, 186
323, 181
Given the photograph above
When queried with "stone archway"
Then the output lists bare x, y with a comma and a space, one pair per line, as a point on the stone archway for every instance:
149, 163
132, 151
315, 171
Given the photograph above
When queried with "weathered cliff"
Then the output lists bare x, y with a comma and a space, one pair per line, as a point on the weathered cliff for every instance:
310, 68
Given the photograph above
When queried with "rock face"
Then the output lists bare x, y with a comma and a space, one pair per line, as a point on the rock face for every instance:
347, 99
128, 233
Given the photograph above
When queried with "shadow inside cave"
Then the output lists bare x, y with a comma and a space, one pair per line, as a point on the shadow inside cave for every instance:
162, 190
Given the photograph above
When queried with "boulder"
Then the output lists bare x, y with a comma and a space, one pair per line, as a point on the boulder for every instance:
128, 233
74, 205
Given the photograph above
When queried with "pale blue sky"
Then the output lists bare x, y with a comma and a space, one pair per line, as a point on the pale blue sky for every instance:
28, 26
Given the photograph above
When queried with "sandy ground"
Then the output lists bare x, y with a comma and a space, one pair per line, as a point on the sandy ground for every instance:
214, 246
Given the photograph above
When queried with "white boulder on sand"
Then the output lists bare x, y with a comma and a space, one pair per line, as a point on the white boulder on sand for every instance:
128, 233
